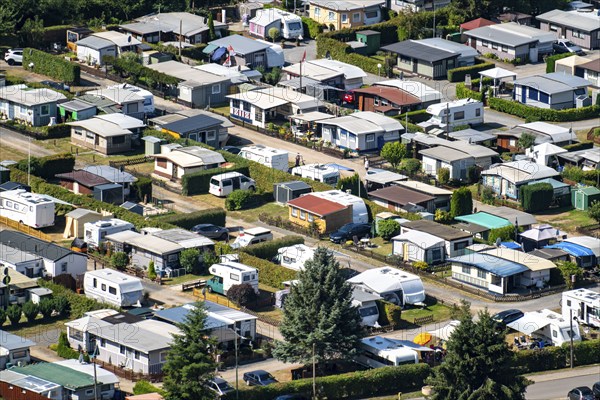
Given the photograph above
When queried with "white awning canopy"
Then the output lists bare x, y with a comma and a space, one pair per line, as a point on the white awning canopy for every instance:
498, 73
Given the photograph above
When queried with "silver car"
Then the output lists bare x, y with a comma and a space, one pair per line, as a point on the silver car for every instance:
566, 46
220, 386
211, 231
14, 56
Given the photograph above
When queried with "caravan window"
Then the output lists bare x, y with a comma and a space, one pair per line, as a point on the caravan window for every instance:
234, 277
478, 112
112, 290
569, 303
368, 311
554, 333
246, 278
103, 287
95, 283
459, 115
8, 203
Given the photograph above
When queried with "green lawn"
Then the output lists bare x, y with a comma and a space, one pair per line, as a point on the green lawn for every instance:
383, 247
223, 110
184, 278
251, 215
26, 329
566, 220
439, 311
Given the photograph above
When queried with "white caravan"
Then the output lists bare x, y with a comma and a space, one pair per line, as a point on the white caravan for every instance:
294, 257
95, 232
360, 214
377, 351
391, 284
252, 236
267, 156
147, 95
547, 325
367, 306
461, 112
583, 305
318, 172
113, 287
228, 274
34, 210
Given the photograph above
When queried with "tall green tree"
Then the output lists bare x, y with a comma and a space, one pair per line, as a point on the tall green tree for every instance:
32, 32
569, 269
211, 27
8, 18
478, 365
319, 312
190, 260
189, 364
393, 152
461, 202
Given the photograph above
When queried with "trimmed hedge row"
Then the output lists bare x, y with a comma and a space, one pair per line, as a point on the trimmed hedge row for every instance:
342, 52
199, 182
463, 92
551, 358
268, 250
312, 28
579, 146
388, 30
47, 167
542, 114
459, 74
269, 273
142, 188
576, 174
415, 116
187, 221
536, 197
53, 66
551, 61
360, 384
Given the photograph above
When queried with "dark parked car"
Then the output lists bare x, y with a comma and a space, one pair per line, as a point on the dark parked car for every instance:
232, 149
581, 393
596, 389
348, 231
220, 386
259, 378
507, 316
211, 231
291, 397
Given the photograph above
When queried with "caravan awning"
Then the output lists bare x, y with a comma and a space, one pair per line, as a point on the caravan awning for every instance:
529, 323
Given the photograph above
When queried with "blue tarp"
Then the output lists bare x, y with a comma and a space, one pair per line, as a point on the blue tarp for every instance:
218, 54
511, 245
572, 248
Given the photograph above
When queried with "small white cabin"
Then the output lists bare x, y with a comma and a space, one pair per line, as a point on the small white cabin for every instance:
228, 274
461, 112
295, 256
113, 287
547, 325
377, 351
583, 305
318, 172
34, 210
252, 236
95, 232
391, 284
267, 156
360, 215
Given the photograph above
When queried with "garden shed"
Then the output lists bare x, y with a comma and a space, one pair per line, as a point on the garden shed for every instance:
4, 174
371, 38
152, 145
109, 193
286, 191
583, 196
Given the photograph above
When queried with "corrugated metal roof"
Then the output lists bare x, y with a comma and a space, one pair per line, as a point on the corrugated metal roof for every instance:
192, 124
495, 265
484, 219
95, 42
420, 51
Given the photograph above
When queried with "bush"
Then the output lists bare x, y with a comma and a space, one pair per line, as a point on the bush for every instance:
463, 92
548, 358
119, 260
53, 66
551, 61
473, 174
61, 305
267, 250
199, 182
64, 349
389, 314
536, 197
31, 311
57, 131
506, 233
488, 196
14, 314
242, 295
46, 307
269, 274
47, 167
459, 74
215, 216
443, 217
190, 260
461, 202
145, 387
151, 271
410, 165
68, 302
579, 146
354, 184
312, 28
142, 189
443, 175
238, 200
2, 317
586, 352
542, 114
388, 228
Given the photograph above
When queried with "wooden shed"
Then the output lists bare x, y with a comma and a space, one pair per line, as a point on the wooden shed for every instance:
75, 221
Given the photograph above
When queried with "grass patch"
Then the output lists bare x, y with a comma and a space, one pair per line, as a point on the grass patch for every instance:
273, 313
184, 278
567, 220
223, 110
36, 328
383, 247
251, 215
439, 311
142, 169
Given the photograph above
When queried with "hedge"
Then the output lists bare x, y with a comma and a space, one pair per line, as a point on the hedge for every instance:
551, 358
267, 250
459, 74
536, 197
342, 52
542, 114
57, 131
53, 66
579, 146
463, 92
389, 314
187, 221
137, 71
269, 273
312, 28
360, 384
142, 189
47, 167
415, 116
576, 174
78, 305
388, 30
194, 52
199, 182
551, 61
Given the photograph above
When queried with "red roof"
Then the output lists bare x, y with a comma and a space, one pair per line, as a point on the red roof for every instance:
395, 95
476, 23
316, 205
82, 177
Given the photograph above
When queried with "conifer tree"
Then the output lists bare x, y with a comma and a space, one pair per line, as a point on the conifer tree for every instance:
319, 312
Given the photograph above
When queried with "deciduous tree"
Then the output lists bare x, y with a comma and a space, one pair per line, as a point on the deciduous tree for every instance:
594, 211
526, 140
190, 260
393, 152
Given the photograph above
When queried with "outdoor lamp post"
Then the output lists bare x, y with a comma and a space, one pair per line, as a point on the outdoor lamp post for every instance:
379, 69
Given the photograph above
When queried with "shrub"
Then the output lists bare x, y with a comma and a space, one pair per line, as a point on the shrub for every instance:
119, 260
46, 307
410, 165
267, 250
190, 260
61, 305
215, 216
443, 175
151, 271
506, 233
388, 228
242, 295
312, 28
53, 66
551, 61
488, 196
269, 274
142, 189
548, 358
463, 92
31, 311
14, 314
354, 184
198, 182
579, 146
64, 349
145, 387
459, 74
586, 352
536, 197
443, 217
473, 174
461, 202
238, 200
57, 131
542, 114
389, 314
67, 301
47, 167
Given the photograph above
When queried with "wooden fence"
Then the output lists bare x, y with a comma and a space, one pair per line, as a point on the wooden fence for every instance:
130, 161
423, 320
129, 374
193, 285
25, 229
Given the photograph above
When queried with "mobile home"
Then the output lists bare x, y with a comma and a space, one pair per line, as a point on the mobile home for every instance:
461, 112
391, 284
228, 274
288, 24
548, 326
31, 209
318, 172
252, 236
294, 257
267, 156
367, 307
360, 214
95, 232
113, 287
377, 351
584, 305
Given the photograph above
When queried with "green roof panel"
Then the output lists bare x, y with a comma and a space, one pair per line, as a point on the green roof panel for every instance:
484, 219
61, 375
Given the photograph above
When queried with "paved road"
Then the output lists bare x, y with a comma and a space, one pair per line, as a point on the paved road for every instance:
556, 385
22, 143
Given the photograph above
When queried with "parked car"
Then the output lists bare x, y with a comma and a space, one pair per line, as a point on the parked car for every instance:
223, 184
596, 389
259, 378
581, 393
348, 231
220, 386
232, 149
14, 56
211, 231
56, 85
566, 46
507, 316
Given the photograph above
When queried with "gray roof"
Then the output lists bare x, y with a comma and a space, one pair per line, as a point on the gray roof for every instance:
152, 139
471, 136
192, 124
191, 24
81, 212
133, 336
510, 214
110, 173
585, 21
548, 254
571, 80
76, 105
102, 103
498, 36
420, 51
95, 42
35, 246
11, 255
295, 185
346, 5
12, 342
445, 154
241, 44
543, 85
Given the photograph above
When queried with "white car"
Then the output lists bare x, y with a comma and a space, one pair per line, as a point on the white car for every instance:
14, 56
